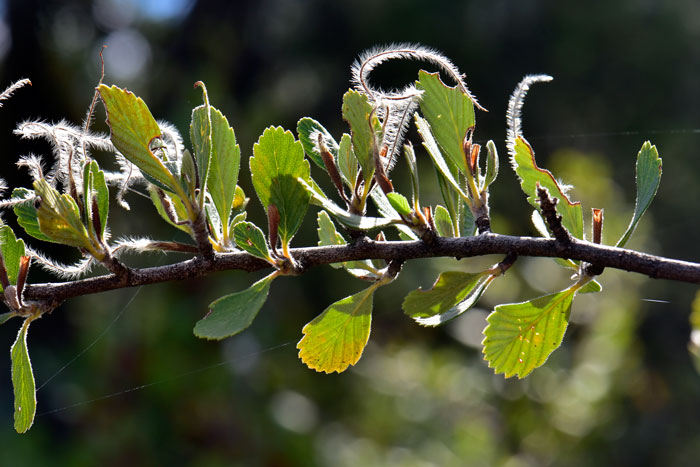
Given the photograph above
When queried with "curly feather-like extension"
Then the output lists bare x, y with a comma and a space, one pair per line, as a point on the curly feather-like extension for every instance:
63, 271
515, 107
7, 93
374, 57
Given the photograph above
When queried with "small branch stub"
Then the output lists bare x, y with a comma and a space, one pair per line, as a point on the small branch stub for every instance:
548, 206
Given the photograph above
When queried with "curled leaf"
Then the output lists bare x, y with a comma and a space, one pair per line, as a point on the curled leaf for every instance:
453, 293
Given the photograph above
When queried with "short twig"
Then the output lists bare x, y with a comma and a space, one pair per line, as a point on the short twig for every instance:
548, 206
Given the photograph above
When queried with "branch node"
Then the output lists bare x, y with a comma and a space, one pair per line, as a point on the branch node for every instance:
549, 212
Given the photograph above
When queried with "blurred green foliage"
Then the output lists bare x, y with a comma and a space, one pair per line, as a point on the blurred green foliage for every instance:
620, 391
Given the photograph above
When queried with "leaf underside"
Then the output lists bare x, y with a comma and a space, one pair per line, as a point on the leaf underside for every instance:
453, 293
231, 314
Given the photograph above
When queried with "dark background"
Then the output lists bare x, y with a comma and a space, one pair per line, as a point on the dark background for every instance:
622, 390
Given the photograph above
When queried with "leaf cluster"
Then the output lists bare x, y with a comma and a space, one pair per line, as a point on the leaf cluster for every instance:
196, 191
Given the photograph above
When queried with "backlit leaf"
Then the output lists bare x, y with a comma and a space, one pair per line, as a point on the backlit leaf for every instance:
308, 130
59, 217
336, 338
224, 165
400, 203
453, 293
436, 155
357, 111
27, 215
12, 251
443, 222
95, 189
134, 131
450, 113
648, 180
23, 381
347, 162
277, 164
344, 217
233, 313
530, 174
521, 336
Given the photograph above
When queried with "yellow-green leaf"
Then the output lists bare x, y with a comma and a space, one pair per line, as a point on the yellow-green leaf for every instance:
521, 336
336, 338
134, 131
357, 111
277, 164
59, 217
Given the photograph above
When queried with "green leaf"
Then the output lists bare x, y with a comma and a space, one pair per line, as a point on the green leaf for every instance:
357, 111
436, 155
134, 131
95, 186
530, 174
467, 223
12, 252
453, 293
347, 162
491, 164
277, 164
443, 222
23, 381
648, 179
308, 130
386, 210
224, 166
591, 287
336, 338
27, 215
344, 217
233, 313
521, 336
410, 156
175, 204
450, 113
188, 173
251, 239
201, 136
5, 317
400, 203
328, 236
59, 217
